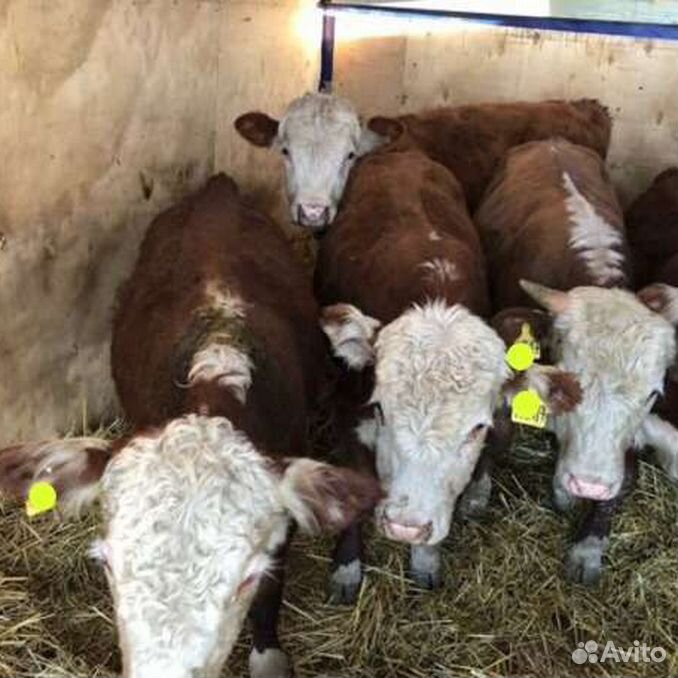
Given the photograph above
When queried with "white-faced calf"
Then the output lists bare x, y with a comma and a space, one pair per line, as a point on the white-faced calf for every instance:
320, 137
403, 273
551, 215
216, 323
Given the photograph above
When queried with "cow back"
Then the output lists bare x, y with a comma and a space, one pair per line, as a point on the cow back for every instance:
402, 236
652, 226
213, 265
551, 215
471, 140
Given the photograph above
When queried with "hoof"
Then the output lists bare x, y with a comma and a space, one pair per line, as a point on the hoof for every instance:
428, 581
562, 501
585, 561
475, 499
345, 583
425, 569
271, 663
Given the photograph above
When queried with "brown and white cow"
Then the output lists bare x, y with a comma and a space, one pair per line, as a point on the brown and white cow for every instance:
551, 215
216, 356
403, 274
652, 228
320, 137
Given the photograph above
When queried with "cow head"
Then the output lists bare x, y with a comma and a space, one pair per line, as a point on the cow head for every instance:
320, 137
194, 514
440, 372
620, 346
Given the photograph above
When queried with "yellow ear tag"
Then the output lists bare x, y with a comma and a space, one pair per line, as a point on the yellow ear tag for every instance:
529, 409
42, 497
524, 351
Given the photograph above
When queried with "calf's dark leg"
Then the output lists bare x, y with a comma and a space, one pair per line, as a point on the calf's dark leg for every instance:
347, 569
347, 559
267, 659
584, 562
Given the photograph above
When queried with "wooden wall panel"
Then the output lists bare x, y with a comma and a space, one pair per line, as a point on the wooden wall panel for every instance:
111, 110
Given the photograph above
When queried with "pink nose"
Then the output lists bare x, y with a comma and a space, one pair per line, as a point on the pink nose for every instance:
588, 490
412, 534
314, 214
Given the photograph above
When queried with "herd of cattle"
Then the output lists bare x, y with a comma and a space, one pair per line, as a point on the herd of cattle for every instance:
441, 236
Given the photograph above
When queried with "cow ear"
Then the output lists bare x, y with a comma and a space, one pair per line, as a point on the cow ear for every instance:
351, 333
559, 389
324, 497
662, 299
258, 128
390, 129
509, 324
555, 301
72, 466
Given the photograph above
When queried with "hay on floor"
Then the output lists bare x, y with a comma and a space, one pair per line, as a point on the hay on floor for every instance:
506, 609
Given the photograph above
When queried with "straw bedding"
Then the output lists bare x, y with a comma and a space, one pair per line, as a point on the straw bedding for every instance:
506, 609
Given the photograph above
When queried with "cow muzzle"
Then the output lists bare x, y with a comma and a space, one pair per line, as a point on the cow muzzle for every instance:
407, 532
579, 486
313, 215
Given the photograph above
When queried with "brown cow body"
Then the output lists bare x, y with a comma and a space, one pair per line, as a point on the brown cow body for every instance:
200, 260
550, 215
217, 355
403, 267
402, 236
525, 223
652, 227
472, 140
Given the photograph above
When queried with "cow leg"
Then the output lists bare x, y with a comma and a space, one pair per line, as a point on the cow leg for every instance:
476, 496
425, 566
347, 568
663, 438
267, 659
563, 501
584, 563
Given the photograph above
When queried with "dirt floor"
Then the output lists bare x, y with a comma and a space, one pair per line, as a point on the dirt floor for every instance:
505, 610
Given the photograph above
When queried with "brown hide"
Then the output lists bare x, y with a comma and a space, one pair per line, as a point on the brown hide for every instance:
213, 238
667, 407
652, 226
372, 255
524, 223
471, 140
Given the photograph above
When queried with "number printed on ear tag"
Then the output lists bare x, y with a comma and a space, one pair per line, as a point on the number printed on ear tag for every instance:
527, 337
529, 409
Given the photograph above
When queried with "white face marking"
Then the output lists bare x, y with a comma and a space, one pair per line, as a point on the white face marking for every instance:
434, 236
219, 360
439, 371
440, 270
320, 137
597, 242
620, 350
192, 516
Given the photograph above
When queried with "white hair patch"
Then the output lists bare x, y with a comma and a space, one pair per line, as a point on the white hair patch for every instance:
596, 241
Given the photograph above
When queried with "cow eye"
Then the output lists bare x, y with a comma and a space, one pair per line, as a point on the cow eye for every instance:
285, 151
350, 156
477, 431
